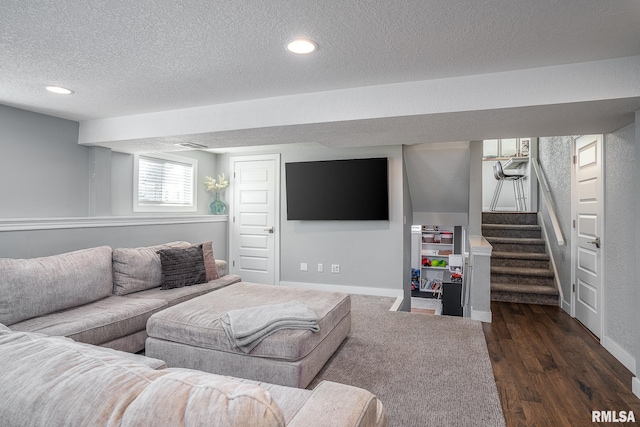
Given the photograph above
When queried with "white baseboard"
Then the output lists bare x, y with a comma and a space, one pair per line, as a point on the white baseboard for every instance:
635, 386
566, 306
483, 316
396, 305
360, 290
619, 353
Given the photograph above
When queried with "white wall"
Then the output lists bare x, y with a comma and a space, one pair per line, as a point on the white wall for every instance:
554, 155
621, 253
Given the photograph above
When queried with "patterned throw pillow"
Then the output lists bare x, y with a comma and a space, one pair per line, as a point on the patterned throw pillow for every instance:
182, 267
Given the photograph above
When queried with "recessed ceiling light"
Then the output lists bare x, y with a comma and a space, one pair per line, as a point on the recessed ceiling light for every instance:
302, 46
59, 90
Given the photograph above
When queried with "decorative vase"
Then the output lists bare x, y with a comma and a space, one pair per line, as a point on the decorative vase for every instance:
217, 207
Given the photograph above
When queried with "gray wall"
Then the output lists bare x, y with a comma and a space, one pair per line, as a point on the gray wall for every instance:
35, 243
619, 241
370, 253
438, 175
636, 300
122, 181
43, 170
407, 208
555, 156
46, 174
475, 188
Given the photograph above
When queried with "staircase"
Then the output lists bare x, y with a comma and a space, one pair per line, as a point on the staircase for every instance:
520, 268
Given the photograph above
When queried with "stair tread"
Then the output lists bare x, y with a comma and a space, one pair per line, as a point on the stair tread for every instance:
512, 227
521, 255
524, 289
515, 240
523, 271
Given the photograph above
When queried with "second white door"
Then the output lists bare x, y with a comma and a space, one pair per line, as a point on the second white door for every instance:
588, 202
254, 238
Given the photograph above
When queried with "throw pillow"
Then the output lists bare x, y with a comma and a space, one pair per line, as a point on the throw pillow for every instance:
209, 261
182, 267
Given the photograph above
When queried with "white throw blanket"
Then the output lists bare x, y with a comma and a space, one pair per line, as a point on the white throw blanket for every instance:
247, 327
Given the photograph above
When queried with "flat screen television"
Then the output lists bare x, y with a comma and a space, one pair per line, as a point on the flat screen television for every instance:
354, 189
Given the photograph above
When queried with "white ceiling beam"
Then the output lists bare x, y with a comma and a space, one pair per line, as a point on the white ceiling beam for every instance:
564, 84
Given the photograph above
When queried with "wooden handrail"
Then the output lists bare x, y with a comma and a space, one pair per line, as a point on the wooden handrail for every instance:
547, 198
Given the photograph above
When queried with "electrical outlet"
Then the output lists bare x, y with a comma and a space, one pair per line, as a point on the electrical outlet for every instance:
335, 268
303, 266
320, 268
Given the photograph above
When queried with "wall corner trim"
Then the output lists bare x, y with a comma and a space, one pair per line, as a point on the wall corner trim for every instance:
619, 353
635, 386
483, 316
396, 305
480, 246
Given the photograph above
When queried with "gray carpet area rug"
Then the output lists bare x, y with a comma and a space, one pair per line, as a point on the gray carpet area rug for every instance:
426, 370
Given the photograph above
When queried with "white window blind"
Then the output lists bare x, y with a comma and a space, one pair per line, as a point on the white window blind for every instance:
164, 183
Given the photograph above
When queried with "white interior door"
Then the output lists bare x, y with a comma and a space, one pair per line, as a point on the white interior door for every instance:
254, 217
587, 245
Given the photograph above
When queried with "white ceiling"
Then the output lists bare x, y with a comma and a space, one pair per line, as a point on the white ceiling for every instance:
125, 58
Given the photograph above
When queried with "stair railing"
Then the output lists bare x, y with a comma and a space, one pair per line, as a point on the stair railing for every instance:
547, 198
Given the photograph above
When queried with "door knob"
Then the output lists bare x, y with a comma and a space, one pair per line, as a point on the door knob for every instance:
270, 230
596, 242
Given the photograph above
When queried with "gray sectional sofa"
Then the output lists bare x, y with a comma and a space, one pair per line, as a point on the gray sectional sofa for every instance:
55, 381
100, 296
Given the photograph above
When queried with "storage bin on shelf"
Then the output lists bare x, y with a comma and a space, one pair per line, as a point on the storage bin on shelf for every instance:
428, 238
446, 237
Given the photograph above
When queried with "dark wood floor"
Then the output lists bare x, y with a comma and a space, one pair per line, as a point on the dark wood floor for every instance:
551, 371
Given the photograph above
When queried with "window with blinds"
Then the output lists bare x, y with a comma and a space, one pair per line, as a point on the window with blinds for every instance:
164, 183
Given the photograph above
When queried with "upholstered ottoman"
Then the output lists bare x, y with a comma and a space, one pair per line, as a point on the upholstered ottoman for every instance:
190, 335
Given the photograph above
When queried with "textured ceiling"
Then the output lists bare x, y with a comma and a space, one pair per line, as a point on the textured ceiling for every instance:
123, 57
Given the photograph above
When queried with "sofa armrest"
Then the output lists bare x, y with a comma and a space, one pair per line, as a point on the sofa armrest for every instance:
338, 405
223, 267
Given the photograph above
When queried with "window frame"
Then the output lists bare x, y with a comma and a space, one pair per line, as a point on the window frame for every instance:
142, 207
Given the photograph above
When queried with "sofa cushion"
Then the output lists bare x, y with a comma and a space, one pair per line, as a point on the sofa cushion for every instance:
184, 397
39, 286
138, 269
209, 261
97, 322
178, 295
182, 267
54, 382
223, 267
289, 399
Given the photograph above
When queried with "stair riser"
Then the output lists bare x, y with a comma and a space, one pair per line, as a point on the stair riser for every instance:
519, 263
520, 234
510, 218
524, 298
522, 280
510, 247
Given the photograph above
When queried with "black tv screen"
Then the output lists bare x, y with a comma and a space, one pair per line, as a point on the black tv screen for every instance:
355, 189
